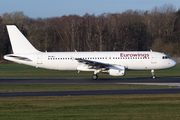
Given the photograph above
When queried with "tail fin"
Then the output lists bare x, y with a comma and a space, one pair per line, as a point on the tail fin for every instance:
19, 42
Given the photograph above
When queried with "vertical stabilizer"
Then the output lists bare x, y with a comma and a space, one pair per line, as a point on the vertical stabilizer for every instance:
19, 42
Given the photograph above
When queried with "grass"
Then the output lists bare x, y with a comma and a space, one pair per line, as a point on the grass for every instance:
12, 70
116, 107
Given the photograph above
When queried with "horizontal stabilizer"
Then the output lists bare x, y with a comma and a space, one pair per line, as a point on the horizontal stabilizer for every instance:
17, 57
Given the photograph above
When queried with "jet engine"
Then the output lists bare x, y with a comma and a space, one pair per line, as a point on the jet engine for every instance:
116, 70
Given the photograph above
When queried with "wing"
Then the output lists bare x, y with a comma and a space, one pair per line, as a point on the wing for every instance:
93, 64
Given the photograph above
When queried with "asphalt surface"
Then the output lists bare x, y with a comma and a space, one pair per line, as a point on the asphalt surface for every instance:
157, 81
92, 92
87, 80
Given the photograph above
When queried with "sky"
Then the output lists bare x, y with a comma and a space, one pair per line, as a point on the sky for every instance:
58, 8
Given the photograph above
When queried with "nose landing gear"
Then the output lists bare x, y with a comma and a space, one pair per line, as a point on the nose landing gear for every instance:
153, 74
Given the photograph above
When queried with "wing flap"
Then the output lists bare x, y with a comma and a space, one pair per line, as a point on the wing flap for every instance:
93, 64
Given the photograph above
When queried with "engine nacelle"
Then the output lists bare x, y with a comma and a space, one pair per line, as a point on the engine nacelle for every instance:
116, 70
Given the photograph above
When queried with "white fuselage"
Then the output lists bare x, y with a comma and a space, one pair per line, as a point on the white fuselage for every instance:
132, 60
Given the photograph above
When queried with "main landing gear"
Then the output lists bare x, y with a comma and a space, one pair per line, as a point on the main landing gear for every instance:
95, 76
153, 74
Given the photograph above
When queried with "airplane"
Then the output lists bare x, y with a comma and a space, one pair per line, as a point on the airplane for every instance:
115, 63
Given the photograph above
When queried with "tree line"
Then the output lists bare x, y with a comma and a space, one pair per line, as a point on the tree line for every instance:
158, 29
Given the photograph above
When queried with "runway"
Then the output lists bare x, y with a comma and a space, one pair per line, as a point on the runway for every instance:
149, 81
92, 92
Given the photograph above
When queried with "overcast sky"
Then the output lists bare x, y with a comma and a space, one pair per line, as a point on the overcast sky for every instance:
58, 8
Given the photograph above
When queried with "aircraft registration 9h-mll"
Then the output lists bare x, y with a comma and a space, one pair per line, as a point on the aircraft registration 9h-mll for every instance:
114, 63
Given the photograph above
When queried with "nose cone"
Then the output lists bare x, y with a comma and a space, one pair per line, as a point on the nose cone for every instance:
173, 63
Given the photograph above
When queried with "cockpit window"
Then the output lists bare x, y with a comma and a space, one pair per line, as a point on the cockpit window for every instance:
165, 57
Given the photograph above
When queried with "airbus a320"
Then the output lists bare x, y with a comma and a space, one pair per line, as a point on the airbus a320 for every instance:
115, 63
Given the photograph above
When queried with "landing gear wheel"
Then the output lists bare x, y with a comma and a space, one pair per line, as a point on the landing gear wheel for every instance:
95, 76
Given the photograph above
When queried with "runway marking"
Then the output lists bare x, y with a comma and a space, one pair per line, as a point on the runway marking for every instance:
168, 84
